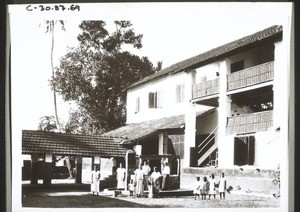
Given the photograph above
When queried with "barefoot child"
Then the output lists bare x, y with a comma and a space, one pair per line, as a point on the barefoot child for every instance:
222, 185
197, 188
204, 189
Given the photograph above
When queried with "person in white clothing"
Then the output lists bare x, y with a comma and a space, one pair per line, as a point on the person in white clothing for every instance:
166, 176
139, 181
95, 185
197, 188
212, 186
155, 180
222, 185
146, 170
121, 173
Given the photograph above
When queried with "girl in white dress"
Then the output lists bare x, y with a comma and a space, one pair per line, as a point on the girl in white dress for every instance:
212, 186
222, 185
197, 187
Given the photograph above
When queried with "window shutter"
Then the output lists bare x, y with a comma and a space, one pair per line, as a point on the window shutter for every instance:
151, 100
137, 105
182, 93
251, 150
158, 99
177, 93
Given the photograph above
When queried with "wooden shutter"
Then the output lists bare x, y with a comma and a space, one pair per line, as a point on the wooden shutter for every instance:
251, 150
151, 100
240, 151
158, 99
137, 105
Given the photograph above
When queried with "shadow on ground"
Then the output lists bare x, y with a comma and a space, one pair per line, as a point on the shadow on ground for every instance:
70, 196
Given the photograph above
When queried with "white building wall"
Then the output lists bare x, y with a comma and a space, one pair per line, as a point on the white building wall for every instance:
169, 106
267, 150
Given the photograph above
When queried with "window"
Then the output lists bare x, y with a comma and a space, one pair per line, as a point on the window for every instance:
155, 99
180, 93
237, 66
137, 105
244, 150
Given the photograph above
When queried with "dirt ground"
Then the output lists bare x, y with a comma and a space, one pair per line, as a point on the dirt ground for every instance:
81, 199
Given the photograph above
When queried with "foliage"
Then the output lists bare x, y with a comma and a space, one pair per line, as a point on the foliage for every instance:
97, 73
47, 123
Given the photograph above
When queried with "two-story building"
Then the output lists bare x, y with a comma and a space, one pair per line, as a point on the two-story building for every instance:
225, 107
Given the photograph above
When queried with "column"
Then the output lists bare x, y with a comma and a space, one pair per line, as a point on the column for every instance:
96, 161
78, 168
47, 169
225, 149
160, 143
34, 169
190, 119
279, 87
165, 143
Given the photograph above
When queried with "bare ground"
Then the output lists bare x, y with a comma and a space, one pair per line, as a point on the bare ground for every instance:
86, 200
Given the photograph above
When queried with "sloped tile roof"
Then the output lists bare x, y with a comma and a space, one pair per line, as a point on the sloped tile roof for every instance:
134, 132
218, 53
70, 144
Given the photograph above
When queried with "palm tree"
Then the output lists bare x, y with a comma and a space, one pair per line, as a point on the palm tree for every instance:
50, 24
51, 29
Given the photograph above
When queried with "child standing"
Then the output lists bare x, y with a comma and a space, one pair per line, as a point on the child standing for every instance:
222, 185
212, 186
197, 188
131, 187
204, 188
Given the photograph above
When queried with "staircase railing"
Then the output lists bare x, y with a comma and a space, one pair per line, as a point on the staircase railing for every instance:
205, 144
208, 140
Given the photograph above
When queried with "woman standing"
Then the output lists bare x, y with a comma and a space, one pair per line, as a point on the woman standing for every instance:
95, 185
121, 172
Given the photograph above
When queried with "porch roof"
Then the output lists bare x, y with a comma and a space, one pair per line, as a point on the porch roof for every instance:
70, 144
226, 50
134, 132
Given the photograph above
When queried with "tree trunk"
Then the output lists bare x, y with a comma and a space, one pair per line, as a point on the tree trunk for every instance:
52, 67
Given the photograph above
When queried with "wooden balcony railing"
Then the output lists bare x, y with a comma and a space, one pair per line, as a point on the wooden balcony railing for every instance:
205, 88
253, 122
251, 76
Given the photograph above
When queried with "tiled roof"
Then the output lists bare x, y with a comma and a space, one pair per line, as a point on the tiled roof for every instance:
217, 53
134, 132
70, 144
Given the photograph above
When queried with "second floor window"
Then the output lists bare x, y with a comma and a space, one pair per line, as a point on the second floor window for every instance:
155, 99
180, 93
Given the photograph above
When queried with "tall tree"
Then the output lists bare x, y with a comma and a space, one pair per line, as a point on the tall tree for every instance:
50, 25
97, 73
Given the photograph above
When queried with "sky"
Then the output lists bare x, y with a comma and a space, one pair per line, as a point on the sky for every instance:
172, 32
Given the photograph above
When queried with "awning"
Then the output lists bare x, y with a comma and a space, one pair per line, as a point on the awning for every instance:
134, 132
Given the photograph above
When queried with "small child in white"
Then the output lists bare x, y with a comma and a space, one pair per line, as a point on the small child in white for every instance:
197, 188
131, 187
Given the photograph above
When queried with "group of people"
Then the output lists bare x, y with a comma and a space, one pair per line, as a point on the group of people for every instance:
210, 187
143, 180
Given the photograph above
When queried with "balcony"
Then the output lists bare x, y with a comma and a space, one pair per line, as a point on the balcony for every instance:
251, 76
247, 123
205, 88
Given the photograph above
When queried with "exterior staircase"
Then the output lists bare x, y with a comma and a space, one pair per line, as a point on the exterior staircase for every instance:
207, 154
108, 182
209, 141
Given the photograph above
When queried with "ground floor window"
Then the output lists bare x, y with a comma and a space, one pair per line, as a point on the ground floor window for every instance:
244, 153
